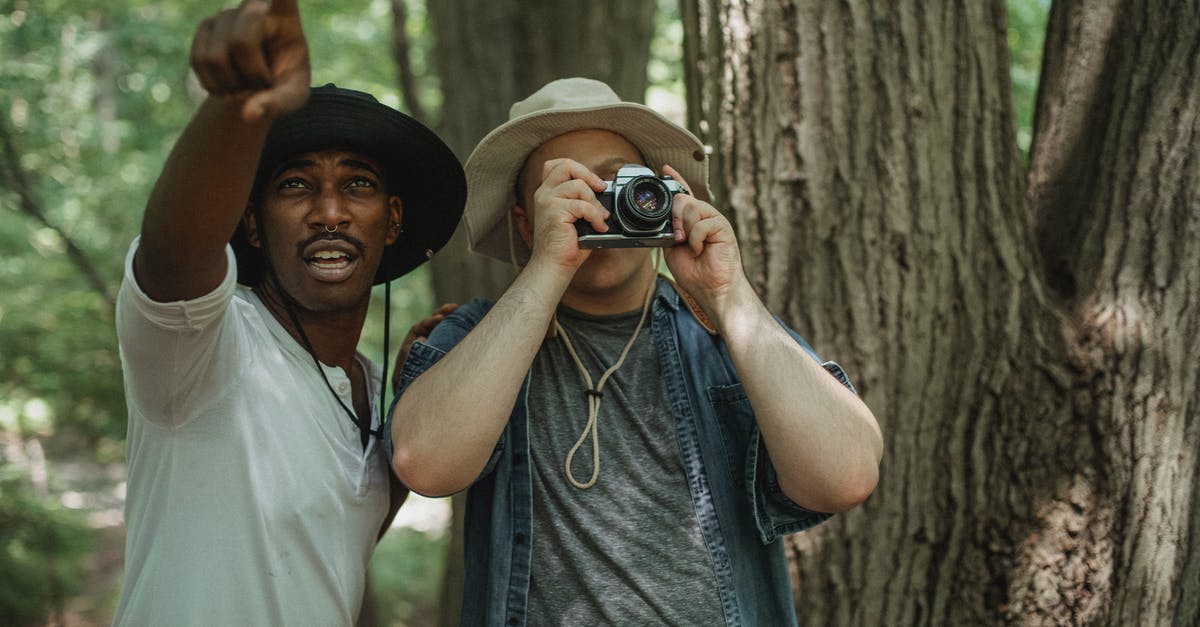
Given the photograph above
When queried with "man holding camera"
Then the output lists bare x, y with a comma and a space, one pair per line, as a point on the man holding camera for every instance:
257, 485
634, 448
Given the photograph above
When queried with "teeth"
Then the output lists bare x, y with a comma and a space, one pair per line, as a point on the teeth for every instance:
329, 254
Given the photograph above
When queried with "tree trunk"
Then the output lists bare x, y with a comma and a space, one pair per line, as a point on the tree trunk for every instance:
1041, 432
489, 55
1115, 184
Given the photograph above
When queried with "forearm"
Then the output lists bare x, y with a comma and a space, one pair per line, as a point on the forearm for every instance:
447, 422
197, 201
823, 441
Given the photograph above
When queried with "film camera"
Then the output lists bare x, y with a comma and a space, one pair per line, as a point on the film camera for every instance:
640, 206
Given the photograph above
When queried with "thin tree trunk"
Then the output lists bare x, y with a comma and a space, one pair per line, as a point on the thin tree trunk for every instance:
401, 52
14, 177
488, 56
105, 67
1040, 426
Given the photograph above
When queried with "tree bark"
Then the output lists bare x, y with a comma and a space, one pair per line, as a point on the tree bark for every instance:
1041, 432
401, 52
492, 54
488, 56
1115, 184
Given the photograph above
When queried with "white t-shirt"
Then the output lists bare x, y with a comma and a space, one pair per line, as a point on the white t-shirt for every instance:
249, 500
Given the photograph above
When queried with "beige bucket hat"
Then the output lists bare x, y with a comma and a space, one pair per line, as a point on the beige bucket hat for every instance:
562, 106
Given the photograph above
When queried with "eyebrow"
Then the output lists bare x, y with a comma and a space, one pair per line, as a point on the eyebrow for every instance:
299, 164
361, 165
293, 164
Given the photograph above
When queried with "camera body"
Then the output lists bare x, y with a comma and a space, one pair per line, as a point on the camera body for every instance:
639, 204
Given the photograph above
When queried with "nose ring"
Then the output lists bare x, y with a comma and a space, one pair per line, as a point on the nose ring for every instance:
333, 230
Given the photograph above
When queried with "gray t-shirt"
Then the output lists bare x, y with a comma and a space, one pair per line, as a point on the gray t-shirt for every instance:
627, 551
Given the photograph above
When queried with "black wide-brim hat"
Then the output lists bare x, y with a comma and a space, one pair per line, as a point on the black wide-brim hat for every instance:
417, 164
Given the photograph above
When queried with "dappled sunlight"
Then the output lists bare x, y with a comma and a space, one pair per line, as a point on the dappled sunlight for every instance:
1063, 568
25, 416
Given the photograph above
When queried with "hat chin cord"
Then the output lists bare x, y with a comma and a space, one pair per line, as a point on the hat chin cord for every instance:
512, 245
364, 424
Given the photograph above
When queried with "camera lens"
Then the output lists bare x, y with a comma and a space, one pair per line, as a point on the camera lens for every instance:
644, 203
646, 200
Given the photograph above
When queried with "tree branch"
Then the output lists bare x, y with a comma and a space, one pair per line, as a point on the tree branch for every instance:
400, 51
14, 178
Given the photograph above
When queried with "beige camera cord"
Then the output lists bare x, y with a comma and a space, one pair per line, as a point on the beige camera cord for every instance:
594, 394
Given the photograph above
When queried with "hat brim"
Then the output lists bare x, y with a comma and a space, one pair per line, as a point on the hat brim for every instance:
420, 169
494, 165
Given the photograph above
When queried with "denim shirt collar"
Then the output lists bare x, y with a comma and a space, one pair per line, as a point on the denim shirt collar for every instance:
671, 295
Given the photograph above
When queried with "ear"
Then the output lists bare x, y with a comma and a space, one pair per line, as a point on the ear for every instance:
395, 219
524, 223
250, 226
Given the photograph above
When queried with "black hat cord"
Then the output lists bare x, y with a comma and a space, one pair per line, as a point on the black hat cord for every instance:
364, 424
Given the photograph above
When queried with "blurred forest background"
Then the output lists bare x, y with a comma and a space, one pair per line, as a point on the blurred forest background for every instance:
93, 96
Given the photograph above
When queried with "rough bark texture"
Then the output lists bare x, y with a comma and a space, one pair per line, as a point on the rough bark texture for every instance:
1040, 420
1115, 185
489, 55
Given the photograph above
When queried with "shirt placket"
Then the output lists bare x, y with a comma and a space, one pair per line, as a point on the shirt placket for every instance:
666, 342
522, 516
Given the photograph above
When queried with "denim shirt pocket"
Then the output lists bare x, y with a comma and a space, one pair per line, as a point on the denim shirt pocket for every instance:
735, 418
774, 514
421, 357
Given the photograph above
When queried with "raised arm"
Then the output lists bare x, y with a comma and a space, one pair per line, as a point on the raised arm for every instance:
447, 422
253, 61
823, 441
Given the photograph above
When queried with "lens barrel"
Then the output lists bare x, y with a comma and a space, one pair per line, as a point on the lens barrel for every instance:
643, 204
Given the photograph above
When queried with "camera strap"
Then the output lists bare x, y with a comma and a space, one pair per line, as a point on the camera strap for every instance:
595, 393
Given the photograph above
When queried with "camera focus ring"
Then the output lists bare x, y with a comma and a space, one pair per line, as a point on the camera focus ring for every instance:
643, 204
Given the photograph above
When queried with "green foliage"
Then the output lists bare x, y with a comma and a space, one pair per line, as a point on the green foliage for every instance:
406, 573
41, 544
1026, 36
95, 95
665, 71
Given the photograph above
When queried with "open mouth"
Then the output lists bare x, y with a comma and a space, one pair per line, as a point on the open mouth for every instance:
330, 263
329, 259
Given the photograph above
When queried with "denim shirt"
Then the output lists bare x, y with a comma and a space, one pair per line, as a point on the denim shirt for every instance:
741, 510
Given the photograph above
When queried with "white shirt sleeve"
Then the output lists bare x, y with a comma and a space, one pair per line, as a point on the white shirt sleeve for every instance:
175, 354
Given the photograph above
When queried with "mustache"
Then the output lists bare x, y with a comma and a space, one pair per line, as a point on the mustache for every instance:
353, 241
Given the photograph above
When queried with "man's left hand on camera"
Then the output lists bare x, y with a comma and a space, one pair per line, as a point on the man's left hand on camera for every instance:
705, 260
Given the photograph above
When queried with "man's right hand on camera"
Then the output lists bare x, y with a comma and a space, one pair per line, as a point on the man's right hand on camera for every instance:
256, 56
567, 193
